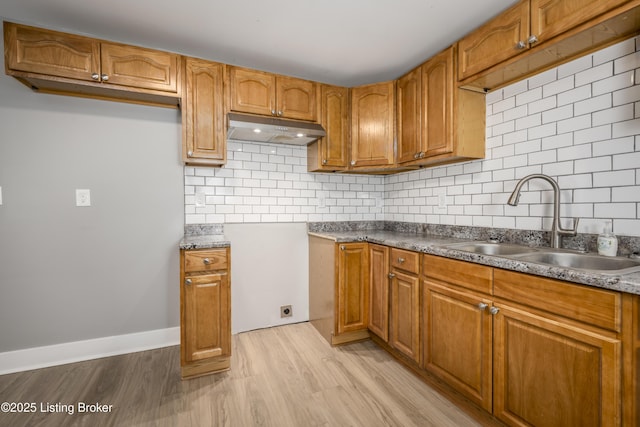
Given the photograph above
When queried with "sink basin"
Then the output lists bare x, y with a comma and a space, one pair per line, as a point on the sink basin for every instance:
487, 248
600, 264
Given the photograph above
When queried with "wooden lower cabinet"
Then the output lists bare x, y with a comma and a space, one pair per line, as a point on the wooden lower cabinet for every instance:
549, 373
379, 291
458, 340
404, 313
205, 312
339, 289
530, 350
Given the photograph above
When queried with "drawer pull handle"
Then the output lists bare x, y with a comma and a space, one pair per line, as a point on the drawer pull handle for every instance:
391, 275
400, 260
187, 281
206, 261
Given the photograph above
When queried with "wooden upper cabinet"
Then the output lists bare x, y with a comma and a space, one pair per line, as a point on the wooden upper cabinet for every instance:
331, 152
450, 121
139, 67
437, 105
252, 91
58, 62
497, 40
372, 125
552, 17
409, 101
258, 92
203, 115
41, 51
296, 98
534, 35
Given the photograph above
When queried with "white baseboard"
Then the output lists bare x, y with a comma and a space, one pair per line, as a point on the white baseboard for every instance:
60, 354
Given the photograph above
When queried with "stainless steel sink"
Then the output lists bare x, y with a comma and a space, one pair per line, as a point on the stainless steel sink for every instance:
552, 257
596, 263
487, 248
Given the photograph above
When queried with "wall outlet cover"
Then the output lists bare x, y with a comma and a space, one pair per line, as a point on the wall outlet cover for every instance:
83, 197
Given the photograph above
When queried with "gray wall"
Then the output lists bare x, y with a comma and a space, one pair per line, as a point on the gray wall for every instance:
69, 273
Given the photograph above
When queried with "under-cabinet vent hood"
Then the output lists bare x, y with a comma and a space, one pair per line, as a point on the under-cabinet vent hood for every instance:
245, 127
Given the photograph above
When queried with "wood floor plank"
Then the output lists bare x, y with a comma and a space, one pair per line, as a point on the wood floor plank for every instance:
286, 376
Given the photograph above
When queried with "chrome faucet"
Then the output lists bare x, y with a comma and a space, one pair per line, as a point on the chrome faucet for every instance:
556, 230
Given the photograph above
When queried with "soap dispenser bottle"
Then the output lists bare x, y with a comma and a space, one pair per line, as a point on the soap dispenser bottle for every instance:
607, 241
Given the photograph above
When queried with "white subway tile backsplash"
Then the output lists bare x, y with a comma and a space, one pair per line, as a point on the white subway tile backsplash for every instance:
598, 72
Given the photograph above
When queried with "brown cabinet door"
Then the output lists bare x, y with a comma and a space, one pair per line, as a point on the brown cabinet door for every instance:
372, 124
206, 328
334, 117
409, 111
458, 339
40, 51
203, 120
547, 373
252, 91
552, 17
404, 321
353, 287
139, 67
379, 291
437, 104
494, 42
296, 98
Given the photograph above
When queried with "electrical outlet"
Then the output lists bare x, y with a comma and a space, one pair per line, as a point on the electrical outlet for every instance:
83, 197
286, 311
201, 200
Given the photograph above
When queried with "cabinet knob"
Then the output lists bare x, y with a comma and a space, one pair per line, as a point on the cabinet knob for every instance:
187, 281
482, 306
324, 162
206, 261
95, 76
391, 275
400, 260
189, 153
104, 78
532, 39
494, 310
342, 247
279, 113
421, 155
353, 162
415, 156
273, 112
521, 45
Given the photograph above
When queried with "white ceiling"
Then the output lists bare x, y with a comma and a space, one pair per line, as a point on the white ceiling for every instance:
343, 42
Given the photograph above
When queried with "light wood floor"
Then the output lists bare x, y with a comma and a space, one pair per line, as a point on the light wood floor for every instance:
284, 376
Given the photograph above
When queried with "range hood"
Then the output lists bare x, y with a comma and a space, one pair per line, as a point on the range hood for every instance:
245, 127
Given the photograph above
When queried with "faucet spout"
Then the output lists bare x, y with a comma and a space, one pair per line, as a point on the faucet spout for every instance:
556, 230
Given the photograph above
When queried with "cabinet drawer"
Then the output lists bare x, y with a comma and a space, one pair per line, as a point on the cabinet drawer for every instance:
461, 273
205, 260
405, 260
598, 307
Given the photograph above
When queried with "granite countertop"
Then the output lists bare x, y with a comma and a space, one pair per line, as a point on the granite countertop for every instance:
204, 241
434, 245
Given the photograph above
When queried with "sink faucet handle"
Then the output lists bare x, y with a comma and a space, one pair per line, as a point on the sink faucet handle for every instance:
570, 231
